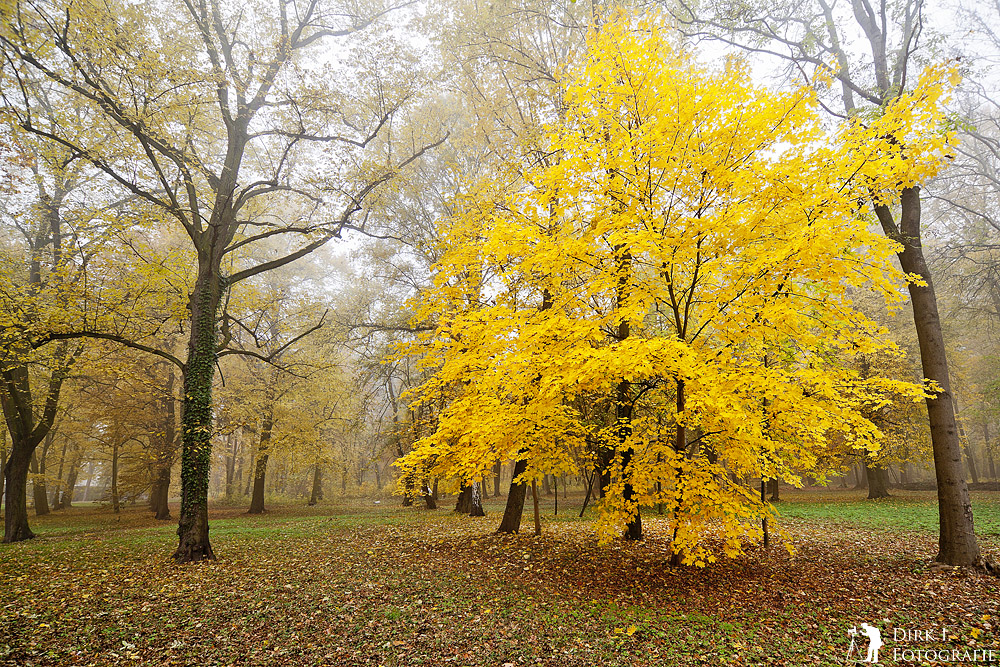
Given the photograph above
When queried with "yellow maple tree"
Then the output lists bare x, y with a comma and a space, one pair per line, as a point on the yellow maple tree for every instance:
685, 258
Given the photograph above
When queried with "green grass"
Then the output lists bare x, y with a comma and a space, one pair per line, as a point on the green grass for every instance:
904, 510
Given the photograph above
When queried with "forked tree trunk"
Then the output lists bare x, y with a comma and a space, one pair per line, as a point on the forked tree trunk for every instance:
957, 544
514, 509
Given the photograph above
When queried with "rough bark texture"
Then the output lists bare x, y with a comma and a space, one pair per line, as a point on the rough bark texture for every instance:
196, 416
878, 481
15, 496
957, 538
514, 509
463, 505
476, 504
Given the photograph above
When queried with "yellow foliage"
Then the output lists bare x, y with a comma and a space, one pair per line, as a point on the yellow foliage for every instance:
692, 240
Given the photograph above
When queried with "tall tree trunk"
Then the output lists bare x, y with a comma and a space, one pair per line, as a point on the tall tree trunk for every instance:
773, 486
260, 468
957, 543
878, 481
196, 409
511, 521
496, 479
317, 485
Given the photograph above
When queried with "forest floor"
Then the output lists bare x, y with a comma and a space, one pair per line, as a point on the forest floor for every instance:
355, 582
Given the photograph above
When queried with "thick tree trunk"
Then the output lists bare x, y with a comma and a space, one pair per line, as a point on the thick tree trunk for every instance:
878, 481
16, 495
514, 509
772, 484
957, 544
196, 413
463, 505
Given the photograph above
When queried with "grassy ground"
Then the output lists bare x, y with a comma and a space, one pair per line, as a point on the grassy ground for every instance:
359, 583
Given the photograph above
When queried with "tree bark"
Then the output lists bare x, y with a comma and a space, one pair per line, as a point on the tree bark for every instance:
957, 544
773, 486
39, 494
16, 495
430, 502
196, 409
878, 481
260, 467
476, 501
514, 509
115, 501
66, 500
317, 485
463, 505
